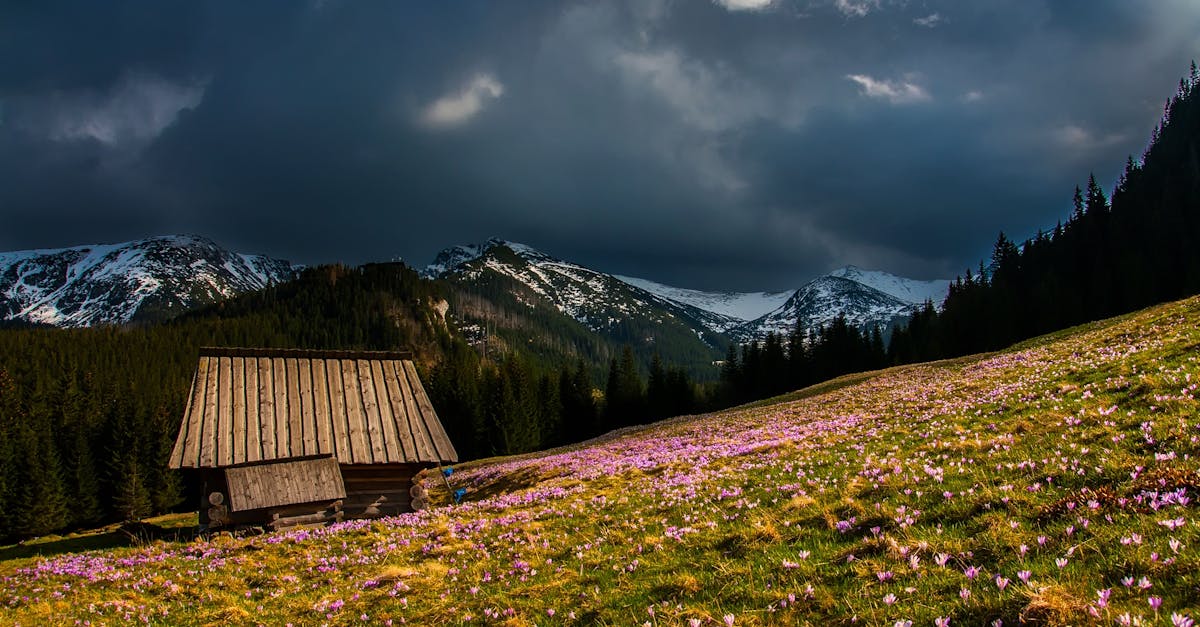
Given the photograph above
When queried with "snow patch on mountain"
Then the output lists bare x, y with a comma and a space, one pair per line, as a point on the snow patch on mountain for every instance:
908, 290
737, 305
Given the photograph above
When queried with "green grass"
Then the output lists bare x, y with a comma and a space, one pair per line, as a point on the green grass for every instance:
1053, 483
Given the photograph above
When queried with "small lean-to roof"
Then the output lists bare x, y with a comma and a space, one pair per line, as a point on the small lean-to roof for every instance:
259, 486
257, 405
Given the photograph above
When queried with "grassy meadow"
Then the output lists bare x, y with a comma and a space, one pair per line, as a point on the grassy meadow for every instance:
1053, 483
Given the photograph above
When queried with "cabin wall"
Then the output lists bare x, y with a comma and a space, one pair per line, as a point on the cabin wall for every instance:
378, 489
213, 480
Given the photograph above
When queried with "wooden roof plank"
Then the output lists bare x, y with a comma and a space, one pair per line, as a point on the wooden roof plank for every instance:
208, 428
371, 412
279, 384
337, 409
180, 452
408, 450
295, 420
266, 408
422, 445
238, 408
254, 450
320, 390
359, 449
388, 421
308, 414
224, 434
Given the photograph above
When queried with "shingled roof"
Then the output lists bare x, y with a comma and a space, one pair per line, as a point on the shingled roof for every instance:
258, 405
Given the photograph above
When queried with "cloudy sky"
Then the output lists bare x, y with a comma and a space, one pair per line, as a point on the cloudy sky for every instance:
735, 144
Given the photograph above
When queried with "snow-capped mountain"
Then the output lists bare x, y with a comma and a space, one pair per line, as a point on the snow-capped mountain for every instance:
118, 283
822, 300
867, 298
599, 301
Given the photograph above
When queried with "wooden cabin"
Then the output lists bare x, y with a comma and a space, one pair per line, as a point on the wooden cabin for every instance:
284, 436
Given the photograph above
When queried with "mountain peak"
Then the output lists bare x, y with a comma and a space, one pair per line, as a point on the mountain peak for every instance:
450, 258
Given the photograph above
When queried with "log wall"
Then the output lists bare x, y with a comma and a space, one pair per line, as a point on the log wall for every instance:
378, 489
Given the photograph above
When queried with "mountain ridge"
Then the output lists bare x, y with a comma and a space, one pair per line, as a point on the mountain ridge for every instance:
868, 298
150, 278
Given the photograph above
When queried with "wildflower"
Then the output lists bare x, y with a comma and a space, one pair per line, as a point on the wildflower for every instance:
729, 620
884, 575
1001, 582
964, 593
1061, 562
693, 622
1144, 583
1181, 620
941, 621
971, 572
1154, 602
1023, 575
889, 599
941, 558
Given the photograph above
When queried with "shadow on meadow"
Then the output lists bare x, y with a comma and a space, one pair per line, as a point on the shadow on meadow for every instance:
171, 528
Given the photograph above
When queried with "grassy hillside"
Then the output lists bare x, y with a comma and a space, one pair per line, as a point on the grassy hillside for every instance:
1055, 483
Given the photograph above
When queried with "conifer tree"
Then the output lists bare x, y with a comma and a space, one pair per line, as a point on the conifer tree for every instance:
40, 491
657, 401
579, 420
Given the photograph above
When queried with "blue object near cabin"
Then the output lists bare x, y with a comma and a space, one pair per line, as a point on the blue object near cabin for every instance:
459, 494
447, 471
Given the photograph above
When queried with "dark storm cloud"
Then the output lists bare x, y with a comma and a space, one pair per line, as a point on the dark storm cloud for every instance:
688, 142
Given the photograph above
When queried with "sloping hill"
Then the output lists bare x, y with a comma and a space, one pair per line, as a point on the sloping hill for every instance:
513, 295
1053, 483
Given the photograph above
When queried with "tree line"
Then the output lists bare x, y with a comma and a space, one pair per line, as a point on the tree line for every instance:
1111, 255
